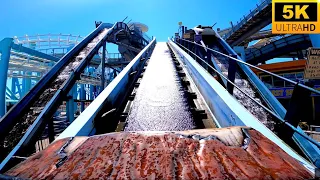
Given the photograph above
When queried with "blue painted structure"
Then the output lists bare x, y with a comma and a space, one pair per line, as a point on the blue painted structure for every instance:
250, 24
310, 150
227, 110
70, 106
315, 39
17, 111
13, 115
32, 52
5, 47
283, 46
84, 124
255, 81
236, 36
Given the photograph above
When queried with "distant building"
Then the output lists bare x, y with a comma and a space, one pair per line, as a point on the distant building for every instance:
282, 90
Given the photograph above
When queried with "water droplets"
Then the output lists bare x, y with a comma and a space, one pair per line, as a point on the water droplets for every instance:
249, 104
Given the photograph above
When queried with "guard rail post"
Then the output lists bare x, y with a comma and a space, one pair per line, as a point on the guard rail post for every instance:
231, 73
295, 113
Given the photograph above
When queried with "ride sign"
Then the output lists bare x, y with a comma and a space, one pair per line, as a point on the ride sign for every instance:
295, 16
312, 69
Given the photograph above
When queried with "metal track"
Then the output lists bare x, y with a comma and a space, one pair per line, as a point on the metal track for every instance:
161, 101
41, 102
225, 108
100, 115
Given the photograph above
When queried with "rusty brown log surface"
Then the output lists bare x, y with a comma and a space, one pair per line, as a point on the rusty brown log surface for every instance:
227, 153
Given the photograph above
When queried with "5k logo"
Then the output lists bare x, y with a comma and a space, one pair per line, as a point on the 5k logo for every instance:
295, 17
297, 10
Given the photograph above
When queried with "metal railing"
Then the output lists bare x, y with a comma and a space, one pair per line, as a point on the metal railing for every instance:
252, 98
48, 40
247, 18
52, 44
260, 69
56, 52
120, 26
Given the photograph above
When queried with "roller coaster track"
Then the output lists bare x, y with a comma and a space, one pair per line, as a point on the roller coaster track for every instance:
23, 122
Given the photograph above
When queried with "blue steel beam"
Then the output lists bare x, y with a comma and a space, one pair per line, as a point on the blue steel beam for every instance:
32, 52
15, 113
11, 101
55, 101
13, 86
226, 109
84, 124
5, 48
26, 83
103, 67
17, 84
278, 48
11, 94
70, 105
82, 96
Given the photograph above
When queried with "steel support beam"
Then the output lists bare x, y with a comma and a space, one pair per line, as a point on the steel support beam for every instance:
26, 83
32, 52
252, 31
51, 130
129, 47
294, 43
240, 50
296, 110
231, 74
70, 105
17, 83
13, 85
5, 48
82, 96
103, 68
91, 97
11, 94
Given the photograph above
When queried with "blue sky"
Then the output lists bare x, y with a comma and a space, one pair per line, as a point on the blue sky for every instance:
20, 17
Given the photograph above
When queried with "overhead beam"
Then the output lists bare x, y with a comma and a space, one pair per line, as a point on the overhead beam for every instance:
32, 52
246, 35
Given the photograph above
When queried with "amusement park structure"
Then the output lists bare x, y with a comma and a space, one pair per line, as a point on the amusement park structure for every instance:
64, 93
